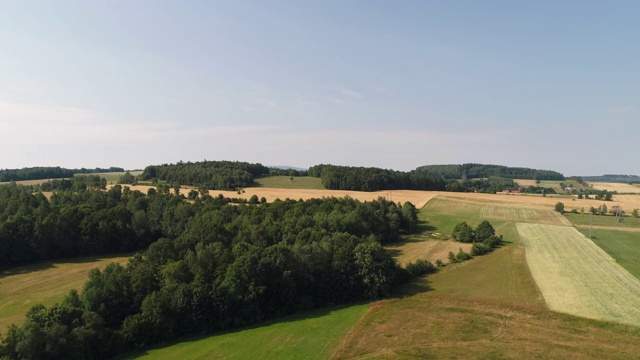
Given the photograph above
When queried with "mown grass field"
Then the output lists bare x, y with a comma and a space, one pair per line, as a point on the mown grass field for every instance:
487, 308
44, 283
624, 246
113, 177
577, 277
285, 182
602, 220
312, 335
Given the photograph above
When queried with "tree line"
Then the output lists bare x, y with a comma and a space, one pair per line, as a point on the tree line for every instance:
475, 171
373, 179
218, 267
214, 175
37, 173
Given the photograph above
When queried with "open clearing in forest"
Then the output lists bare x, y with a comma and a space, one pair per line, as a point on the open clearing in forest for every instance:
577, 277
417, 248
286, 182
310, 335
44, 283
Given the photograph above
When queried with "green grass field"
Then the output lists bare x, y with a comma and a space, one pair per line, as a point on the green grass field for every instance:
486, 308
43, 283
312, 335
285, 182
602, 220
623, 246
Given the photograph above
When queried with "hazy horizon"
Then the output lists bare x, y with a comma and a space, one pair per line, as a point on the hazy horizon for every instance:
397, 85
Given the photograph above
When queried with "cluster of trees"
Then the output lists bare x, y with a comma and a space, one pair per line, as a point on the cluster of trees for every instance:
491, 185
85, 222
475, 171
483, 237
216, 175
76, 183
36, 173
227, 267
373, 179
597, 194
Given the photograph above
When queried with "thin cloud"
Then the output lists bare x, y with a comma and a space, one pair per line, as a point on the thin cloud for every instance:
350, 93
621, 109
381, 89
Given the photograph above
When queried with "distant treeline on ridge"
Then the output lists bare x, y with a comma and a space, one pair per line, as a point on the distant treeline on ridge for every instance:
373, 179
475, 171
37, 173
214, 175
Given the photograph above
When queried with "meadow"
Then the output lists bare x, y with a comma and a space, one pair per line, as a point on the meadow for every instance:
624, 246
44, 283
312, 335
287, 182
577, 277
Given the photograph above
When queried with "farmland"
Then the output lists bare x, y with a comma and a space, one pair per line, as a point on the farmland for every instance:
312, 335
43, 283
624, 246
577, 277
618, 187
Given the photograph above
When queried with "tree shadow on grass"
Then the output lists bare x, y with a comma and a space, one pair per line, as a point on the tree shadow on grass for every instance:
423, 226
301, 316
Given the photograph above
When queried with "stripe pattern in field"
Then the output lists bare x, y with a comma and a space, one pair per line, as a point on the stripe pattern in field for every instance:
577, 277
517, 214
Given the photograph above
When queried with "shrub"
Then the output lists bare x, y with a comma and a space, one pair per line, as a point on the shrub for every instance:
439, 263
479, 249
462, 256
463, 233
420, 267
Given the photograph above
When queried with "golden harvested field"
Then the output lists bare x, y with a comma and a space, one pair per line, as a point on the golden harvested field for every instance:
577, 277
525, 182
43, 283
619, 187
430, 250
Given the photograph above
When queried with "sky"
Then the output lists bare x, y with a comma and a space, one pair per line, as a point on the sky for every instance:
392, 84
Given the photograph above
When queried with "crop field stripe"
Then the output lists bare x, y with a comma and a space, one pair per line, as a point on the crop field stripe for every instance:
577, 277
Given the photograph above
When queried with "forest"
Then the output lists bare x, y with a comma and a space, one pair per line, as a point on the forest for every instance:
37, 173
475, 171
213, 175
373, 179
208, 266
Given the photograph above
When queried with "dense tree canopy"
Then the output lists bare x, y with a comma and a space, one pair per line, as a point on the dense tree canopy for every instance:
216, 266
37, 173
475, 171
218, 175
373, 179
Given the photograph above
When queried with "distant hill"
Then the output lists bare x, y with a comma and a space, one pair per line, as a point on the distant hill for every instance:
474, 171
614, 178
41, 172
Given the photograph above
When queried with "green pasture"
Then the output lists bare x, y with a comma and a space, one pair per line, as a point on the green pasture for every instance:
624, 246
113, 177
602, 220
311, 335
286, 182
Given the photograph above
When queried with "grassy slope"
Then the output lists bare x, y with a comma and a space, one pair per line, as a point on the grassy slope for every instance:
43, 283
313, 335
624, 246
489, 307
285, 182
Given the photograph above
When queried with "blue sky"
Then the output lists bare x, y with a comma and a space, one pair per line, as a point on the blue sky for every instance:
392, 84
